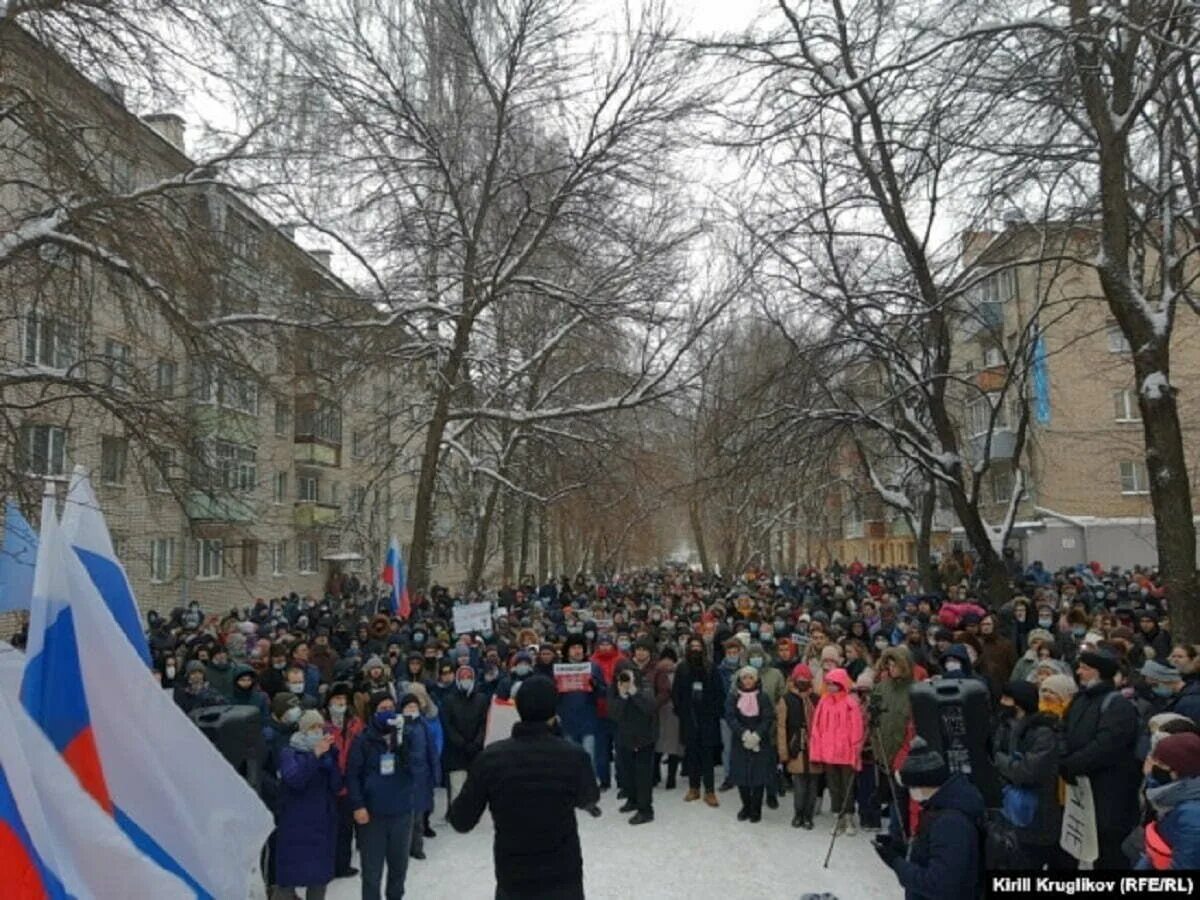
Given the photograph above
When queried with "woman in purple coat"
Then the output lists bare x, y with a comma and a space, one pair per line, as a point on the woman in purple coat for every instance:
306, 829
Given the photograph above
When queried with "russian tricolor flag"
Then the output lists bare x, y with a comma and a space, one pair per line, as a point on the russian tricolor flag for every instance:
54, 841
132, 749
396, 579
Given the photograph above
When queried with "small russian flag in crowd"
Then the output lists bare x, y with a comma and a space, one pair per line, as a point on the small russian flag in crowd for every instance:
396, 579
146, 765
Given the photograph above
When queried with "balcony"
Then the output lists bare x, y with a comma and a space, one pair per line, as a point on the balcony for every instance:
310, 514
201, 506
991, 379
1003, 445
308, 451
983, 318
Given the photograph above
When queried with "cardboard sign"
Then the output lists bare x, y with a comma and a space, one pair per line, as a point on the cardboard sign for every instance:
1078, 835
502, 716
570, 677
472, 617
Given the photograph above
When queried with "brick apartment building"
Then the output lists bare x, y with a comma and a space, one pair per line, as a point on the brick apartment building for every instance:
227, 471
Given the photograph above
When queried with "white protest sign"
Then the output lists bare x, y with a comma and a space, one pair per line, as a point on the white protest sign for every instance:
1078, 835
472, 617
570, 677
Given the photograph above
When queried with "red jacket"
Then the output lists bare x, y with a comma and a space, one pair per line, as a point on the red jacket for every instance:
342, 739
607, 663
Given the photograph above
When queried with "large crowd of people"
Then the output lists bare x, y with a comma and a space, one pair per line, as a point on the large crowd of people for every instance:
730, 692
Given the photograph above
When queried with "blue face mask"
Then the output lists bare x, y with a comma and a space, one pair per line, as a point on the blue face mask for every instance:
1079, 630
383, 719
1162, 690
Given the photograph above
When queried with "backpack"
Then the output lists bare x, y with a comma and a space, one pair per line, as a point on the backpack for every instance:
1001, 850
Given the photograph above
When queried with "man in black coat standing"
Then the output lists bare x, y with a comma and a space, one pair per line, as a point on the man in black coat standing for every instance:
631, 707
1100, 731
533, 782
699, 700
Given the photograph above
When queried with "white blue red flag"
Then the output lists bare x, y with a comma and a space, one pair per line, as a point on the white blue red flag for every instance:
130, 746
395, 577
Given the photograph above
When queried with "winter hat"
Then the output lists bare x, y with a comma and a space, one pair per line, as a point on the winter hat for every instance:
831, 652
1180, 753
747, 670
194, 666
575, 640
1100, 660
524, 657
463, 672
375, 699
1153, 670
1159, 725
537, 699
1039, 634
865, 680
373, 662
340, 689
408, 698
282, 702
1024, 695
1061, 685
309, 718
924, 767
801, 672
644, 643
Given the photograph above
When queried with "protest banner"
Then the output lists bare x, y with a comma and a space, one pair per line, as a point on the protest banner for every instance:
573, 677
1078, 836
472, 617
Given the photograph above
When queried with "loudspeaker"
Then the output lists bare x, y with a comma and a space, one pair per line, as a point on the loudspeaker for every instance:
953, 716
237, 732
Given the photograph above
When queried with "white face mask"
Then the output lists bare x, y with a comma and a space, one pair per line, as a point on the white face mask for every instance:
953, 665
921, 794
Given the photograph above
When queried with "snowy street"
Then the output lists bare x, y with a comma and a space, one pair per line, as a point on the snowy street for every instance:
688, 852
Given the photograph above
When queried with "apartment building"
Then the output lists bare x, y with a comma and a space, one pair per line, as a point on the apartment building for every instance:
231, 464
1086, 496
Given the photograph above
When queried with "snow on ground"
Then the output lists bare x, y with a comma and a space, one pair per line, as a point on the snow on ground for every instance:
689, 851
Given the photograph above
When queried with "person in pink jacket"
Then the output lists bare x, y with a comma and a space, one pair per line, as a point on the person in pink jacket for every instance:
838, 731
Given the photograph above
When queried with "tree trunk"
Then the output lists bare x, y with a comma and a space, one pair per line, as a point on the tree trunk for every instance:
924, 535
526, 526
447, 378
543, 547
483, 530
507, 534
698, 535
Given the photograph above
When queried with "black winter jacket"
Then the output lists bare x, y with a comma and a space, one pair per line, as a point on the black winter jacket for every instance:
699, 699
1099, 743
1030, 759
635, 716
464, 718
533, 782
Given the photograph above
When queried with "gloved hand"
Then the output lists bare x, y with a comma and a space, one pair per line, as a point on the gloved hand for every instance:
751, 741
887, 848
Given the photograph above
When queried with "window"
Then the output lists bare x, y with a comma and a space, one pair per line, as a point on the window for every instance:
119, 544
283, 416
227, 389
1001, 478
230, 466
319, 418
358, 501
44, 450
278, 557
1117, 342
113, 453
335, 490
49, 342
308, 488
406, 510
241, 234
979, 417
1133, 477
204, 383
210, 559
250, 558
992, 357
358, 444
118, 359
162, 560
281, 491
998, 287
1125, 406
306, 556
166, 376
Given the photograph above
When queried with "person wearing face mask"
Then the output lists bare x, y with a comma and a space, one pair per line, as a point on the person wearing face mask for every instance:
246, 692
1100, 731
606, 657
1168, 693
272, 679
343, 725
698, 696
943, 861
464, 718
578, 708
793, 738
195, 692
751, 719
669, 743
296, 684
522, 668
631, 706
774, 685
1027, 758
732, 660
380, 782
997, 654
426, 767
306, 817
838, 735
1172, 841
